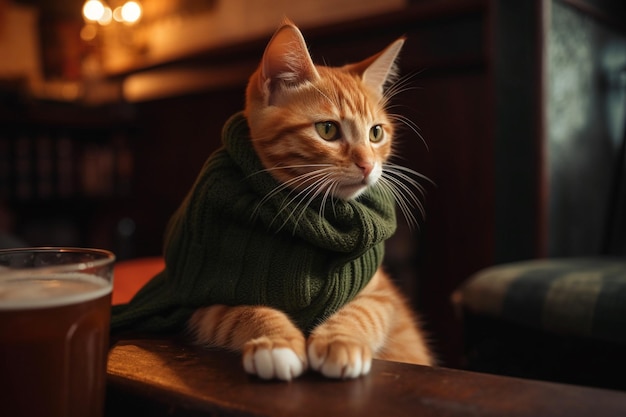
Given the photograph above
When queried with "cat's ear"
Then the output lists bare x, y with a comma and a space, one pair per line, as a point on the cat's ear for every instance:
286, 60
380, 69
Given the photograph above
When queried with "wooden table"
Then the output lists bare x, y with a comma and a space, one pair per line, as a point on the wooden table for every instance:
166, 377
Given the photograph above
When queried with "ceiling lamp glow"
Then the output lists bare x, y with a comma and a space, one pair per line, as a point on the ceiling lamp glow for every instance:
93, 10
131, 12
98, 11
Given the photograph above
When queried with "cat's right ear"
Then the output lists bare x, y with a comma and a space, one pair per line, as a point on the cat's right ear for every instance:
286, 61
380, 69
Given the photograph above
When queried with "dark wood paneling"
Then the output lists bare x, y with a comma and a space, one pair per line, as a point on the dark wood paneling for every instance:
520, 215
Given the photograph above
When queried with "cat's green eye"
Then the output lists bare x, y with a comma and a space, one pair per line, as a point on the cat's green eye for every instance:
327, 130
377, 133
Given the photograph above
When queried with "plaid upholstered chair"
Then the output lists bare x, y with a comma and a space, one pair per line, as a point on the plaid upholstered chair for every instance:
554, 319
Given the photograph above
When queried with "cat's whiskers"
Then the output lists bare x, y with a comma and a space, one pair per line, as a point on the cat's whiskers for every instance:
303, 189
291, 183
324, 184
310, 191
399, 182
390, 189
330, 192
410, 124
271, 194
399, 86
399, 169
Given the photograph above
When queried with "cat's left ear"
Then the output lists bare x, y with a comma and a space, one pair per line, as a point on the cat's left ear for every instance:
286, 60
380, 69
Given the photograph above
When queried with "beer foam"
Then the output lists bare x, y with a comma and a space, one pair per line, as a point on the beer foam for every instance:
50, 290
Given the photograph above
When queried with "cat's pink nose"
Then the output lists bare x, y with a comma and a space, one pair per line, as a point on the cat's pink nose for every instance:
366, 167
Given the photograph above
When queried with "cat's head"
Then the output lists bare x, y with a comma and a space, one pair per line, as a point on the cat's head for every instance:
319, 128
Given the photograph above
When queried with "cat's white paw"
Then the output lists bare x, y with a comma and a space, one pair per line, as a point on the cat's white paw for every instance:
339, 358
269, 360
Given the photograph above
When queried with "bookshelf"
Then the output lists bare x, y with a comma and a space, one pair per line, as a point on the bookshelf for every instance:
60, 164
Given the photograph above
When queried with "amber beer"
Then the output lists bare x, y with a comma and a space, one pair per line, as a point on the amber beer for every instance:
54, 331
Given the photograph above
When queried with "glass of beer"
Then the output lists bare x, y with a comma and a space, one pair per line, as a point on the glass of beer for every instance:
55, 311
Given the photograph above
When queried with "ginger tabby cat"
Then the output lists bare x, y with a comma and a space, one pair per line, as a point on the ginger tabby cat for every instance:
322, 133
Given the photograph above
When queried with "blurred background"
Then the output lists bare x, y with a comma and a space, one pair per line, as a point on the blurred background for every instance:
108, 110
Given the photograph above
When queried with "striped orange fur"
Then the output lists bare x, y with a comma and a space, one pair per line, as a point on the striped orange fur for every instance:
322, 131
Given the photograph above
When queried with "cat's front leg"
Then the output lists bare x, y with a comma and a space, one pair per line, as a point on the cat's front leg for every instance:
274, 357
271, 345
339, 355
343, 346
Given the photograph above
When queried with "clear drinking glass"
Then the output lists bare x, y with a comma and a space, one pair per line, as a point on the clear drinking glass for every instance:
55, 311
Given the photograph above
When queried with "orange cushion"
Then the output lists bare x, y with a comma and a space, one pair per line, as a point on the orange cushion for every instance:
129, 276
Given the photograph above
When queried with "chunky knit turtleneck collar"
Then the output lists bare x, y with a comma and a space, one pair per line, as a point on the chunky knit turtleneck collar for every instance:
231, 242
347, 226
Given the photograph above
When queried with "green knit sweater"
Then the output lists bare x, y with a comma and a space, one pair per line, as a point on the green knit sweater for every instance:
228, 243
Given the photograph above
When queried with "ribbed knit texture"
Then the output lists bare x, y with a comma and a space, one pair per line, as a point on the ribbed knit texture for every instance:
230, 244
